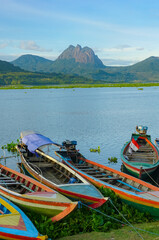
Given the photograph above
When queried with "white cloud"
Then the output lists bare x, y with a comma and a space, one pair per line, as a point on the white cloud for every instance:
4, 45
120, 48
32, 45
118, 62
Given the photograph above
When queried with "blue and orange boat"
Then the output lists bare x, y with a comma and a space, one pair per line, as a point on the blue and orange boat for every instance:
54, 174
14, 224
131, 190
140, 156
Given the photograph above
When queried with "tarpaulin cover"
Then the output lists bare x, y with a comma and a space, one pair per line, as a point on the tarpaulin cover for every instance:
35, 140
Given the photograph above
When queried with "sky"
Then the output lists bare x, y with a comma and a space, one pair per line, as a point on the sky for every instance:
120, 32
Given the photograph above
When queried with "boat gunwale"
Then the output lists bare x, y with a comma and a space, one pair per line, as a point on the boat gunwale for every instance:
115, 171
91, 199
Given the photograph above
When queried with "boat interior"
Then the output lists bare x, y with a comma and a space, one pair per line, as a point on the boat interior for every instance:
145, 153
102, 174
50, 169
16, 183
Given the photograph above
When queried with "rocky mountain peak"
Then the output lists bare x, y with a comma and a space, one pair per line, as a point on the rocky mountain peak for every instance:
81, 55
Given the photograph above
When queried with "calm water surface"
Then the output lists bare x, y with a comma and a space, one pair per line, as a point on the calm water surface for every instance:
94, 117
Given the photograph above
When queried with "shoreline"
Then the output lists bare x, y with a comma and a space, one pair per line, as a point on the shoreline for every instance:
106, 85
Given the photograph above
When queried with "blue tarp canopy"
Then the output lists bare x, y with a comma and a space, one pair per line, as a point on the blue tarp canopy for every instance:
35, 140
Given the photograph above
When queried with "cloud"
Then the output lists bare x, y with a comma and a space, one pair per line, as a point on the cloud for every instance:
140, 49
118, 62
4, 45
31, 45
120, 48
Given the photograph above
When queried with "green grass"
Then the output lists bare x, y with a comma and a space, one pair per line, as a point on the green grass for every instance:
80, 86
84, 220
151, 232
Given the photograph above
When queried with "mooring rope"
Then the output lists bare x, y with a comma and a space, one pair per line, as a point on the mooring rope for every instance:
128, 223
151, 177
124, 223
125, 218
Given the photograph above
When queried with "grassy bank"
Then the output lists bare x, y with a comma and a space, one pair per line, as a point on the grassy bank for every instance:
151, 232
80, 86
84, 221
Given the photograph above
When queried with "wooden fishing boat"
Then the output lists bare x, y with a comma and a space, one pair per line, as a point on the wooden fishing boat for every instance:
140, 155
32, 195
131, 190
14, 224
54, 174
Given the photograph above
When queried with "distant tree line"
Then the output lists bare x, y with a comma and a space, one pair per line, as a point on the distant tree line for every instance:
27, 78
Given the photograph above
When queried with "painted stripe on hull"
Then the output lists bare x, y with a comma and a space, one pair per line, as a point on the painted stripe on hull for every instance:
137, 171
135, 168
8, 236
55, 206
131, 197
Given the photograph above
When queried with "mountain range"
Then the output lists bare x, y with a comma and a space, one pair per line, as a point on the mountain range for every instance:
83, 63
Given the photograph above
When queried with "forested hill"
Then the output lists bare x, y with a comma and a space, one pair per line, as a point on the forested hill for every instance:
6, 67
68, 71
11, 75
73, 60
33, 63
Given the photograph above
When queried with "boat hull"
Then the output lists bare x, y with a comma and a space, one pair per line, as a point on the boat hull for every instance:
14, 224
46, 201
148, 203
139, 172
140, 169
94, 202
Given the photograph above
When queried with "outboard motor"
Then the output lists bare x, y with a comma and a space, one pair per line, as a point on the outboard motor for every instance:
69, 144
141, 129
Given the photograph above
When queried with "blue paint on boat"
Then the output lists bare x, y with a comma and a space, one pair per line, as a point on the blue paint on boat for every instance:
30, 231
126, 184
88, 190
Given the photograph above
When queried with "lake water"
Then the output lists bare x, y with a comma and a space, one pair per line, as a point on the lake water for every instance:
94, 117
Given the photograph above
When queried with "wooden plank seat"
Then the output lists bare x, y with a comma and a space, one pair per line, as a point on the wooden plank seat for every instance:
101, 175
10, 183
144, 149
140, 161
62, 173
142, 158
111, 178
25, 188
44, 165
36, 160
83, 167
7, 180
89, 170
141, 154
81, 164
